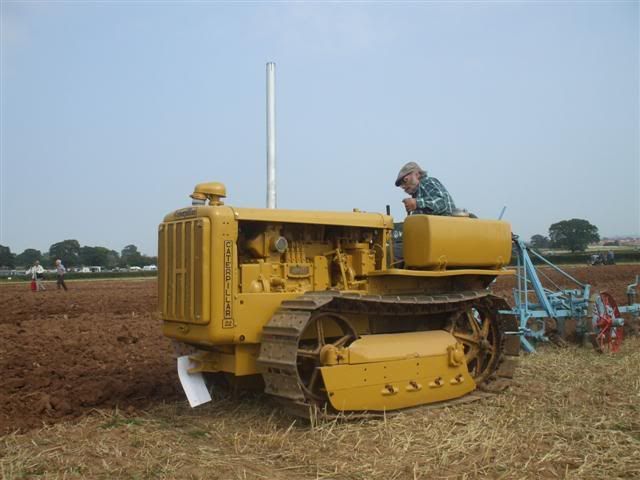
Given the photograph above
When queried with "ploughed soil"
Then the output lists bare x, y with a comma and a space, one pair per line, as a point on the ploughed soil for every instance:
99, 345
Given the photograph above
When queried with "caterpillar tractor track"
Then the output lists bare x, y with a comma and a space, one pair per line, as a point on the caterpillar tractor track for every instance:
385, 372
308, 306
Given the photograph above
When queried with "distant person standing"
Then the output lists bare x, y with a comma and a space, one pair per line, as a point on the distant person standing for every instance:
60, 271
611, 259
37, 275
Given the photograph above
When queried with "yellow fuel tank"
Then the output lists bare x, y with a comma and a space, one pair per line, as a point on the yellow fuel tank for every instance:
438, 243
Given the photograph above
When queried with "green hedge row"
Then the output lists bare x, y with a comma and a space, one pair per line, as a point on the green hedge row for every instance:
85, 276
583, 258
88, 276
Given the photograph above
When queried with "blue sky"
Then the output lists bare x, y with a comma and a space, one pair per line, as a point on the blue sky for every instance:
112, 111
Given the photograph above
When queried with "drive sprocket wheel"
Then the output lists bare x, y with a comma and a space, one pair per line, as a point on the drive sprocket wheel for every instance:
478, 329
323, 331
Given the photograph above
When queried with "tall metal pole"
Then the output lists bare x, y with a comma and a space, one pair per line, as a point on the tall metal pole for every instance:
271, 135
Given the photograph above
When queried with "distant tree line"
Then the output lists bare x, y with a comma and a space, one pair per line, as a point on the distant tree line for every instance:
74, 255
574, 235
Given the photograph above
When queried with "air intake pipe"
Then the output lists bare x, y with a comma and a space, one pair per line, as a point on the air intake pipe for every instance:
271, 135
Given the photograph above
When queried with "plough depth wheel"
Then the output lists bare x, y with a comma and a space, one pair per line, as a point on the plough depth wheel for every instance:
606, 324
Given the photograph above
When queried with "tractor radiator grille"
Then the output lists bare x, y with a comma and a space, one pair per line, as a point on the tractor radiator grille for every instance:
183, 270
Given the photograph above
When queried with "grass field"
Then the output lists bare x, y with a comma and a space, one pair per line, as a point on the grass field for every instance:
571, 414
89, 390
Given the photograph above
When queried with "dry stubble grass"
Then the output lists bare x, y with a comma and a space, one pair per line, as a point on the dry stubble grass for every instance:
571, 414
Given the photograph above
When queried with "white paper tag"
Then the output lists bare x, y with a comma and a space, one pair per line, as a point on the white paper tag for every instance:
193, 384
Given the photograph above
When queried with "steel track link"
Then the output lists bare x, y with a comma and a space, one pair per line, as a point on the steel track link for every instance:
502, 378
280, 337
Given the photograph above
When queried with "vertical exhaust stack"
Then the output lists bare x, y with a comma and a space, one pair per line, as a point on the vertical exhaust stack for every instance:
271, 135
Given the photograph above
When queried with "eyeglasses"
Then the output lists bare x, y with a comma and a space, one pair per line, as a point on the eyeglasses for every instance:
405, 179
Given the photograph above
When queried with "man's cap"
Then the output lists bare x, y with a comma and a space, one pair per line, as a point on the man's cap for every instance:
406, 170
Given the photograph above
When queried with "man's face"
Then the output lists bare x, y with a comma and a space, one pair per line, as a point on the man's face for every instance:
410, 182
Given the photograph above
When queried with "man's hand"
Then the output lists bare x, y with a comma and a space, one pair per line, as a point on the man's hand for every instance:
410, 204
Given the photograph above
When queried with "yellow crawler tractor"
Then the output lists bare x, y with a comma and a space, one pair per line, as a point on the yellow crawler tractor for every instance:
310, 304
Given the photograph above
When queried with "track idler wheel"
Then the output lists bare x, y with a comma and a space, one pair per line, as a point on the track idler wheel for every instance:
606, 324
477, 328
324, 335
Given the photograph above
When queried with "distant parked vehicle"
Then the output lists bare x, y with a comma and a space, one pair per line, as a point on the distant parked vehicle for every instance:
134, 269
150, 268
597, 259
10, 273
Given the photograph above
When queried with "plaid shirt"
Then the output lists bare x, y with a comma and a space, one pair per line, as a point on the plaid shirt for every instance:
432, 198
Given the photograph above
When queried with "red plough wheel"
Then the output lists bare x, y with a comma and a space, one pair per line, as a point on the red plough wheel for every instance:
606, 323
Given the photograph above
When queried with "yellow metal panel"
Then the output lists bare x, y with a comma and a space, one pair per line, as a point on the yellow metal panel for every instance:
179, 270
183, 270
170, 311
396, 272
397, 346
185, 213
320, 273
412, 282
189, 227
250, 273
187, 332
441, 242
162, 269
391, 371
240, 362
395, 384
203, 271
254, 310
224, 274
350, 219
